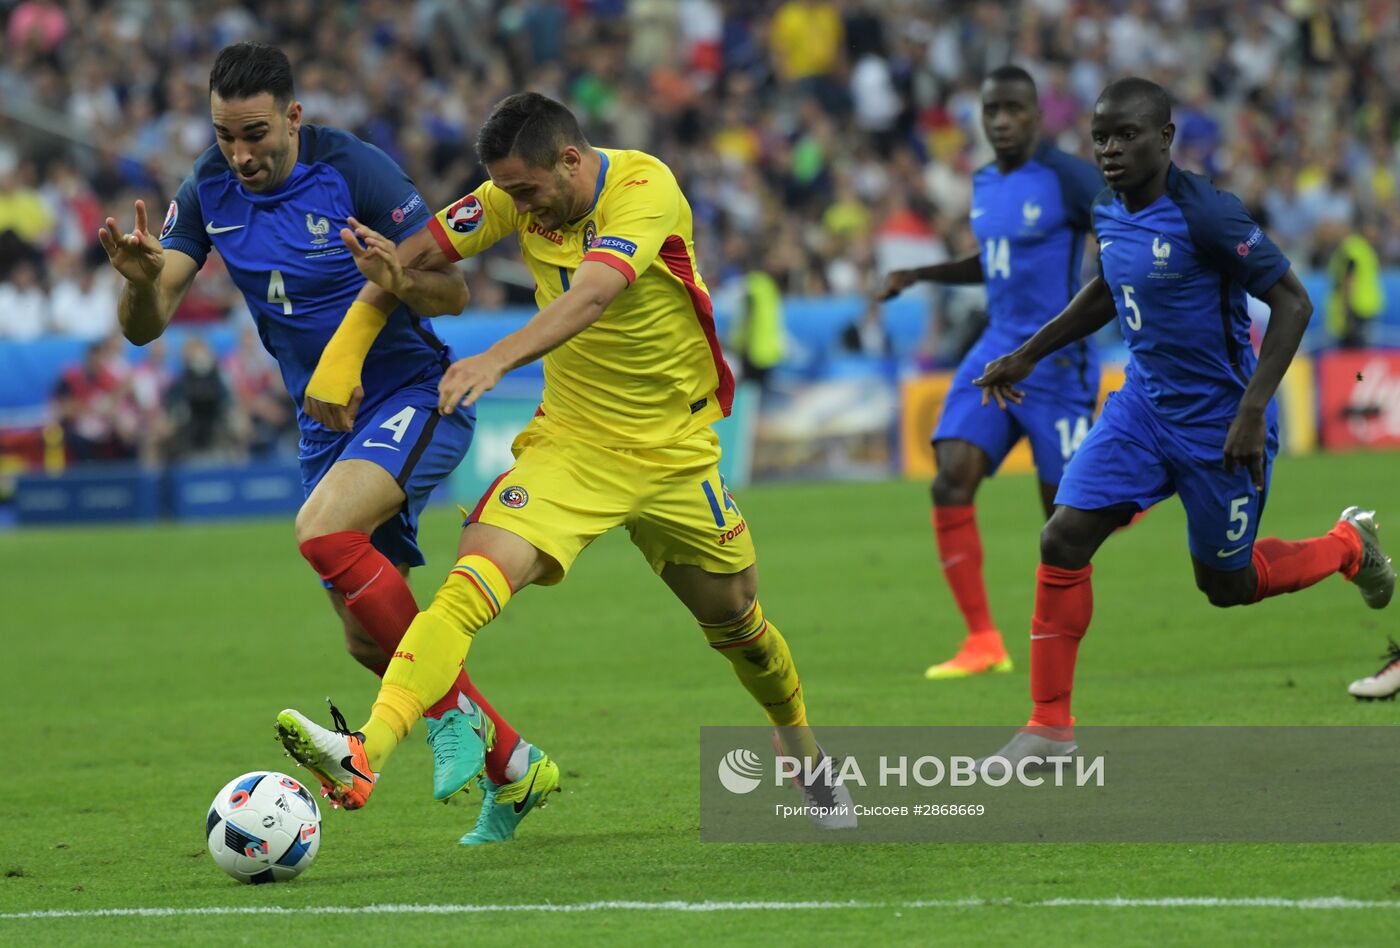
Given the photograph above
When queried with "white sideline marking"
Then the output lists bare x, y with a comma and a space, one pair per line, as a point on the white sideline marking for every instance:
1324, 904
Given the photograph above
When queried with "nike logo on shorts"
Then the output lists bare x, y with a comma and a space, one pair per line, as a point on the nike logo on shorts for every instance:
1224, 554
370, 443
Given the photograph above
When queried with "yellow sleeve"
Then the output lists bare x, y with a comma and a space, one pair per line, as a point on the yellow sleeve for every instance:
635, 221
471, 224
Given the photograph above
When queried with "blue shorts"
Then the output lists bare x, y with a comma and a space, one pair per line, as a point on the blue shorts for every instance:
408, 438
1133, 458
1055, 418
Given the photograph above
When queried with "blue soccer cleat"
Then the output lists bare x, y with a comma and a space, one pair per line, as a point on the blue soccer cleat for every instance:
460, 740
502, 808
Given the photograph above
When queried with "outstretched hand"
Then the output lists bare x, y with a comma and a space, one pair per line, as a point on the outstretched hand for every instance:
896, 282
999, 378
377, 257
138, 256
466, 380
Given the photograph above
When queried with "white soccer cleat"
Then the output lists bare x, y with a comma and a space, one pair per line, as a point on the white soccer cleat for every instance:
337, 757
1376, 577
827, 801
1384, 684
1026, 744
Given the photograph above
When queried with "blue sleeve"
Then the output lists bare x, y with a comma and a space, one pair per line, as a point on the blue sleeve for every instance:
1229, 241
183, 229
384, 197
1080, 184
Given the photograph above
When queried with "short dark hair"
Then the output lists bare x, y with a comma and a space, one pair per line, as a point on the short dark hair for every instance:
532, 127
244, 70
1158, 104
1011, 74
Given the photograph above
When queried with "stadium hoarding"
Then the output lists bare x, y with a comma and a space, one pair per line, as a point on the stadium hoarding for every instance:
1122, 784
1359, 399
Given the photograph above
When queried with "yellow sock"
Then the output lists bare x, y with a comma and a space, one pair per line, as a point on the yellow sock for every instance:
764, 666
433, 649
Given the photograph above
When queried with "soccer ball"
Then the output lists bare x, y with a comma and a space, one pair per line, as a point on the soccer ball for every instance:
263, 827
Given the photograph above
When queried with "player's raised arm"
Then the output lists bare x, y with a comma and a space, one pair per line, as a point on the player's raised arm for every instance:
966, 269
1089, 311
156, 279
594, 287
417, 272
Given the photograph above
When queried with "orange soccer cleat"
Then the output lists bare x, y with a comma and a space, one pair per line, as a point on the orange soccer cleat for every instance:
337, 757
979, 654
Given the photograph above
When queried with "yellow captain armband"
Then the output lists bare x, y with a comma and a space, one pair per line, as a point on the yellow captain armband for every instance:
337, 374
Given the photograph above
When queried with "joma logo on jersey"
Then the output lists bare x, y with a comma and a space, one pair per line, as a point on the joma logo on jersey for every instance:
318, 228
733, 532
551, 235
406, 656
1162, 250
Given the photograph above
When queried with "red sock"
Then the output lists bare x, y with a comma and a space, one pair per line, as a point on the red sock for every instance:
1064, 603
1285, 566
960, 555
380, 600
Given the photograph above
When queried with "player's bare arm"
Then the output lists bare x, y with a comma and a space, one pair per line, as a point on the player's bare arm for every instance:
595, 286
416, 273
1091, 309
156, 279
963, 270
1289, 312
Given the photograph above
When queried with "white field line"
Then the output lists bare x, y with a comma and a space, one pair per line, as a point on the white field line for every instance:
1316, 904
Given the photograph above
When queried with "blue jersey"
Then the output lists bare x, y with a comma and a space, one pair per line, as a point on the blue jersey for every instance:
1030, 225
284, 252
1179, 270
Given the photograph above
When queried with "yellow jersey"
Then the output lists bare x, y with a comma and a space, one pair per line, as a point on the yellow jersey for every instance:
650, 371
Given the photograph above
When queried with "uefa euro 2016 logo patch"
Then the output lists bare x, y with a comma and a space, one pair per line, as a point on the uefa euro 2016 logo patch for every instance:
465, 216
515, 497
171, 216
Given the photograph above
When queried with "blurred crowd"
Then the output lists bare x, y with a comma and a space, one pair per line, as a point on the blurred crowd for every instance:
821, 142
159, 410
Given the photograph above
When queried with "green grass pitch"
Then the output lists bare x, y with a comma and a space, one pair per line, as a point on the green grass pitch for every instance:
142, 668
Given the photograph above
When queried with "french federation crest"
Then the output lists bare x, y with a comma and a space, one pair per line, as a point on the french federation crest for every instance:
1030, 214
1162, 250
318, 228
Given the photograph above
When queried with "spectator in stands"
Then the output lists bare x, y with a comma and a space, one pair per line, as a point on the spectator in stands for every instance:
89, 404
262, 413
149, 381
82, 301
198, 403
758, 331
866, 335
24, 306
1357, 296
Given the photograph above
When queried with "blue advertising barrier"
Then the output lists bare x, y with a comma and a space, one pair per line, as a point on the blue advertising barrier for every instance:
103, 494
255, 490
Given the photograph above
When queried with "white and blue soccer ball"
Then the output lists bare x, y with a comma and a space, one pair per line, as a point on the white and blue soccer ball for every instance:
264, 827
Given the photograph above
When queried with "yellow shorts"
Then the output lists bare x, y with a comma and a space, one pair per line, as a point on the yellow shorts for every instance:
563, 493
